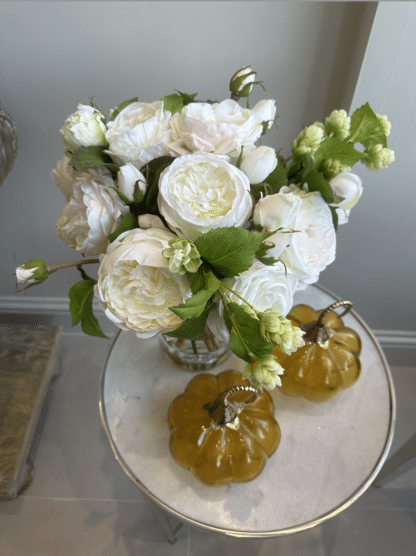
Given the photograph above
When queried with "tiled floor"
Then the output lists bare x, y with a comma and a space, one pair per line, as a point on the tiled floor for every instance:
81, 504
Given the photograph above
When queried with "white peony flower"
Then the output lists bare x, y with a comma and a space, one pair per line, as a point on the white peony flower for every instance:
64, 175
265, 113
127, 176
139, 133
95, 210
135, 286
198, 192
277, 211
312, 247
221, 128
83, 128
258, 164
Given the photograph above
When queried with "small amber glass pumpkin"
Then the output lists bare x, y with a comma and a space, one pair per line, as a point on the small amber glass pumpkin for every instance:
218, 438
329, 360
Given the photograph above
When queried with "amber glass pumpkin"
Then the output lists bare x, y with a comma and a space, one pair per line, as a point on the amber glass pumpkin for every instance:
223, 429
329, 360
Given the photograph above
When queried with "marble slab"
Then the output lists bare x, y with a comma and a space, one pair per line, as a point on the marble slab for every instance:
328, 456
27, 359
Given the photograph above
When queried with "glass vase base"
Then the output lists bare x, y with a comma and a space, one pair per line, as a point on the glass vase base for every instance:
195, 355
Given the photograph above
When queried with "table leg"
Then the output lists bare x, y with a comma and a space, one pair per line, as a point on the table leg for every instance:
399, 463
169, 524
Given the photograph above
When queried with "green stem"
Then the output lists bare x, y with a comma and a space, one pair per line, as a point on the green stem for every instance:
54, 267
234, 323
239, 296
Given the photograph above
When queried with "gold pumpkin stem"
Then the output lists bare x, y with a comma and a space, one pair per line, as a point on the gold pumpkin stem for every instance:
222, 411
316, 330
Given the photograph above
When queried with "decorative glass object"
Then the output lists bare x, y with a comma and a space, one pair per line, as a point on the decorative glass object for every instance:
329, 360
8, 145
220, 433
205, 352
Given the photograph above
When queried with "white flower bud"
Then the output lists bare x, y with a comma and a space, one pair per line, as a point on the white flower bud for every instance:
33, 272
242, 82
259, 163
265, 113
83, 128
348, 186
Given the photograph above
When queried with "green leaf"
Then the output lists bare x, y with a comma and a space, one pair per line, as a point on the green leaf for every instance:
80, 305
317, 182
229, 251
187, 99
174, 103
249, 330
334, 217
121, 107
191, 328
337, 149
152, 172
238, 348
195, 305
128, 222
89, 157
272, 184
84, 274
365, 128
264, 247
299, 168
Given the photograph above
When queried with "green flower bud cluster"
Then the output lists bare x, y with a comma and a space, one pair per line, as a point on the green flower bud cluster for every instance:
309, 139
31, 273
264, 372
378, 157
385, 124
182, 256
332, 168
338, 124
242, 82
278, 330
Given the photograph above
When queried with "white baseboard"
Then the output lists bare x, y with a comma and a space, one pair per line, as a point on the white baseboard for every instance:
398, 345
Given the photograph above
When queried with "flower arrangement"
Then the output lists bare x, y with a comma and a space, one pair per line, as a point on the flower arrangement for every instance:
196, 224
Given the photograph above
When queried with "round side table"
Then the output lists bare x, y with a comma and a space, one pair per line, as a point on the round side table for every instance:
328, 456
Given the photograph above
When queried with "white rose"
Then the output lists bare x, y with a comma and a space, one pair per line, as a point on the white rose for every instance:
136, 288
221, 128
198, 192
312, 247
264, 287
61, 230
64, 175
265, 113
277, 211
348, 186
95, 210
127, 176
139, 133
83, 128
258, 164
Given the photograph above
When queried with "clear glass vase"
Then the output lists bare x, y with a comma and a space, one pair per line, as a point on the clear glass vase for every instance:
205, 352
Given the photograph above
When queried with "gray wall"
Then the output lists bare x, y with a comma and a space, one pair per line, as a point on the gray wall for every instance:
309, 55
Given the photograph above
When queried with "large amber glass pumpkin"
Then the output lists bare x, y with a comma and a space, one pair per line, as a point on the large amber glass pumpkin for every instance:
222, 428
329, 360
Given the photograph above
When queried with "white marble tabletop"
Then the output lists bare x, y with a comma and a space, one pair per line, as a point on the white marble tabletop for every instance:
328, 456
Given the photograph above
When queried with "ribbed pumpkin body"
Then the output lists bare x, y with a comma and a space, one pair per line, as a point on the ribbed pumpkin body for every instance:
319, 370
218, 454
